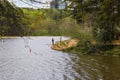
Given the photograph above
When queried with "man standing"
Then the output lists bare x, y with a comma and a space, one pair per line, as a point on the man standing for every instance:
52, 41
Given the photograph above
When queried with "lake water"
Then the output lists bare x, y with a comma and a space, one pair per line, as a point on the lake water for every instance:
31, 58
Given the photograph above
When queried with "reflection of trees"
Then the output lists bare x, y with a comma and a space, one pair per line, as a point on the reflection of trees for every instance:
110, 68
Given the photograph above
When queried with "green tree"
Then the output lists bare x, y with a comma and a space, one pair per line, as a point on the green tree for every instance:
76, 8
102, 14
106, 27
11, 19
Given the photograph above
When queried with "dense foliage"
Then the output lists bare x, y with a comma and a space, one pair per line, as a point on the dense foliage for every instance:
17, 21
12, 21
102, 15
51, 22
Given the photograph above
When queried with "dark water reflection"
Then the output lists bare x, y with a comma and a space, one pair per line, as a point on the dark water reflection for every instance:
97, 67
31, 58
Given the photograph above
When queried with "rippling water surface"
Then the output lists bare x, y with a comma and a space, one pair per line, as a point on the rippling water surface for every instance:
31, 58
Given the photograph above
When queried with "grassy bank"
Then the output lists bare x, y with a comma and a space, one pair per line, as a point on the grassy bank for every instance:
80, 47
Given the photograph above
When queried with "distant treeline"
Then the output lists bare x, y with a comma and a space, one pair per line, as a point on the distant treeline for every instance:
51, 22
16, 21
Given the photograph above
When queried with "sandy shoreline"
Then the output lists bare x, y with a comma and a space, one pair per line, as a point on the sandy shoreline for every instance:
10, 37
17, 36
